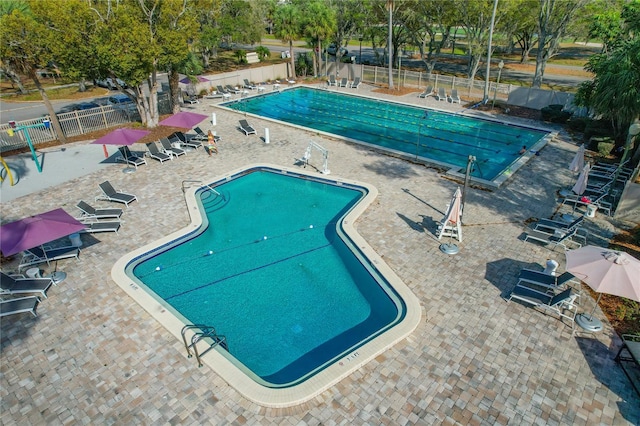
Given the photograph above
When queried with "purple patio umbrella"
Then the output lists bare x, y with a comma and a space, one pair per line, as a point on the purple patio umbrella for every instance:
36, 230
200, 79
122, 137
183, 119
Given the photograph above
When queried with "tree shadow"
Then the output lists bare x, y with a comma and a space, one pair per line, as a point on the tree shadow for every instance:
395, 169
16, 328
601, 361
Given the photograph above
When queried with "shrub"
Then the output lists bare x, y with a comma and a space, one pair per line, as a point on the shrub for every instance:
598, 129
578, 124
555, 114
241, 56
263, 53
605, 147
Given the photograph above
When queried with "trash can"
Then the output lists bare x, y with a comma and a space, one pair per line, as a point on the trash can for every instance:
551, 267
75, 240
591, 210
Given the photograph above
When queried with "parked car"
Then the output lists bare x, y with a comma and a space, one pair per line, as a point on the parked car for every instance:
333, 49
78, 107
122, 102
109, 83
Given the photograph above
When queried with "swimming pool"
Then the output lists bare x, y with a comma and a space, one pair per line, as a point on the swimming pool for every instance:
274, 264
413, 132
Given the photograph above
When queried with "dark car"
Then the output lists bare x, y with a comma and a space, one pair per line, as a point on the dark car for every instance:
85, 105
333, 49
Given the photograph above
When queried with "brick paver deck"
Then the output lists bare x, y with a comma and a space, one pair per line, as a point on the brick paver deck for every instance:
93, 356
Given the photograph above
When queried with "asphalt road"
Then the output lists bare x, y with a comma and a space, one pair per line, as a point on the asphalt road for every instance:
20, 111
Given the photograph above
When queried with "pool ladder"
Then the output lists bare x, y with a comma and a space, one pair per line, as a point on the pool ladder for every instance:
184, 187
202, 332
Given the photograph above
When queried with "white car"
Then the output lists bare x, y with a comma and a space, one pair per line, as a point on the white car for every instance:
109, 83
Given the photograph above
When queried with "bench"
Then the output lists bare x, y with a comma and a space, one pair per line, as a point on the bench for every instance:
252, 58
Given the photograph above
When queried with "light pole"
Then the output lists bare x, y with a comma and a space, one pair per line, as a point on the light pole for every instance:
360, 55
485, 97
13, 128
495, 91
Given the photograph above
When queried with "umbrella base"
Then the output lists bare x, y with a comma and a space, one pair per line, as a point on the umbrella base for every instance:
58, 276
589, 322
449, 248
128, 170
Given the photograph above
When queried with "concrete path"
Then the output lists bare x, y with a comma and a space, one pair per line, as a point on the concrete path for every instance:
93, 356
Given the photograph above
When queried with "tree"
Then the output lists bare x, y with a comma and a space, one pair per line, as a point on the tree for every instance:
520, 25
554, 17
24, 50
288, 28
319, 24
431, 28
614, 93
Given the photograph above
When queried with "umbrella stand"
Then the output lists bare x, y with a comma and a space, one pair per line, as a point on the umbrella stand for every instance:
450, 247
590, 323
57, 276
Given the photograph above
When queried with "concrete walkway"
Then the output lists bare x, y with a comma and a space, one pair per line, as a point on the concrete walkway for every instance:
93, 356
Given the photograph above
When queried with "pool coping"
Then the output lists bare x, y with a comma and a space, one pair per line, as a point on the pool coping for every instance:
230, 373
452, 170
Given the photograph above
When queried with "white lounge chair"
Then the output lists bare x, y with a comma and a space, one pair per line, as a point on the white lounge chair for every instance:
332, 80
130, 158
248, 85
553, 239
544, 280
156, 154
355, 83
343, 82
441, 95
92, 226
11, 285
427, 92
38, 255
88, 211
454, 97
169, 148
19, 306
246, 128
110, 194
557, 304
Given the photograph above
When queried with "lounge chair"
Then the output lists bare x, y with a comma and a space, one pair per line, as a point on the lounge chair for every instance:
355, 83
189, 99
554, 239
222, 90
427, 92
38, 255
130, 158
231, 89
343, 82
441, 95
110, 194
183, 140
454, 97
332, 80
200, 134
555, 225
541, 279
88, 211
93, 226
558, 304
629, 353
246, 128
156, 154
19, 306
248, 85
585, 200
169, 148
11, 285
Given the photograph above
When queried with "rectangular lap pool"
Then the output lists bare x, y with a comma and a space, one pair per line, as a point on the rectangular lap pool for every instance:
428, 135
273, 264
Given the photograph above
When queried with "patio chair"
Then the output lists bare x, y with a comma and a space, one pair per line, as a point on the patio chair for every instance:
427, 92
200, 134
110, 194
629, 353
88, 211
11, 285
183, 140
248, 85
332, 80
92, 226
355, 83
454, 97
343, 82
130, 158
555, 225
441, 95
557, 304
19, 305
554, 239
156, 154
586, 200
189, 99
222, 90
229, 88
544, 280
246, 128
38, 255
170, 148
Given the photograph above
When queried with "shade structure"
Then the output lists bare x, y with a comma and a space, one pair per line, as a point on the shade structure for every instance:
606, 271
200, 79
36, 230
581, 182
577, 163
122, 137
183, 119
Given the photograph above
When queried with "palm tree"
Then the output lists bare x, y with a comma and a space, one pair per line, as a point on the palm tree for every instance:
288, 28
319, 25
390, 42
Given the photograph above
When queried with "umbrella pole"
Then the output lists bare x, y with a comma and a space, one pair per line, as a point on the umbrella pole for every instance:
57, 276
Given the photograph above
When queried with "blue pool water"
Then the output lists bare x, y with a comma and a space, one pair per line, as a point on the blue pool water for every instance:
427, 134
272, 271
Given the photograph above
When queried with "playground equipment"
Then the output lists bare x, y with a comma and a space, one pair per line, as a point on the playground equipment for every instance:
325, 155
8, 170
13, 128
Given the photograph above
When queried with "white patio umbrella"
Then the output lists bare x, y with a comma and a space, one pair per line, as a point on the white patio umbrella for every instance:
605, 271
581, 182
577, 163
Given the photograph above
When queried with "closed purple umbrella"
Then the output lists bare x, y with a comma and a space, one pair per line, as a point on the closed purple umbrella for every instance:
36, 230
183, 119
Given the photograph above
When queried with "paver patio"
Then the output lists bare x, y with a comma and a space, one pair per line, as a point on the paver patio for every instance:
93, 356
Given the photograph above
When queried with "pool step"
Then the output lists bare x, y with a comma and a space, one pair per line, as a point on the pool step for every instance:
201, 332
